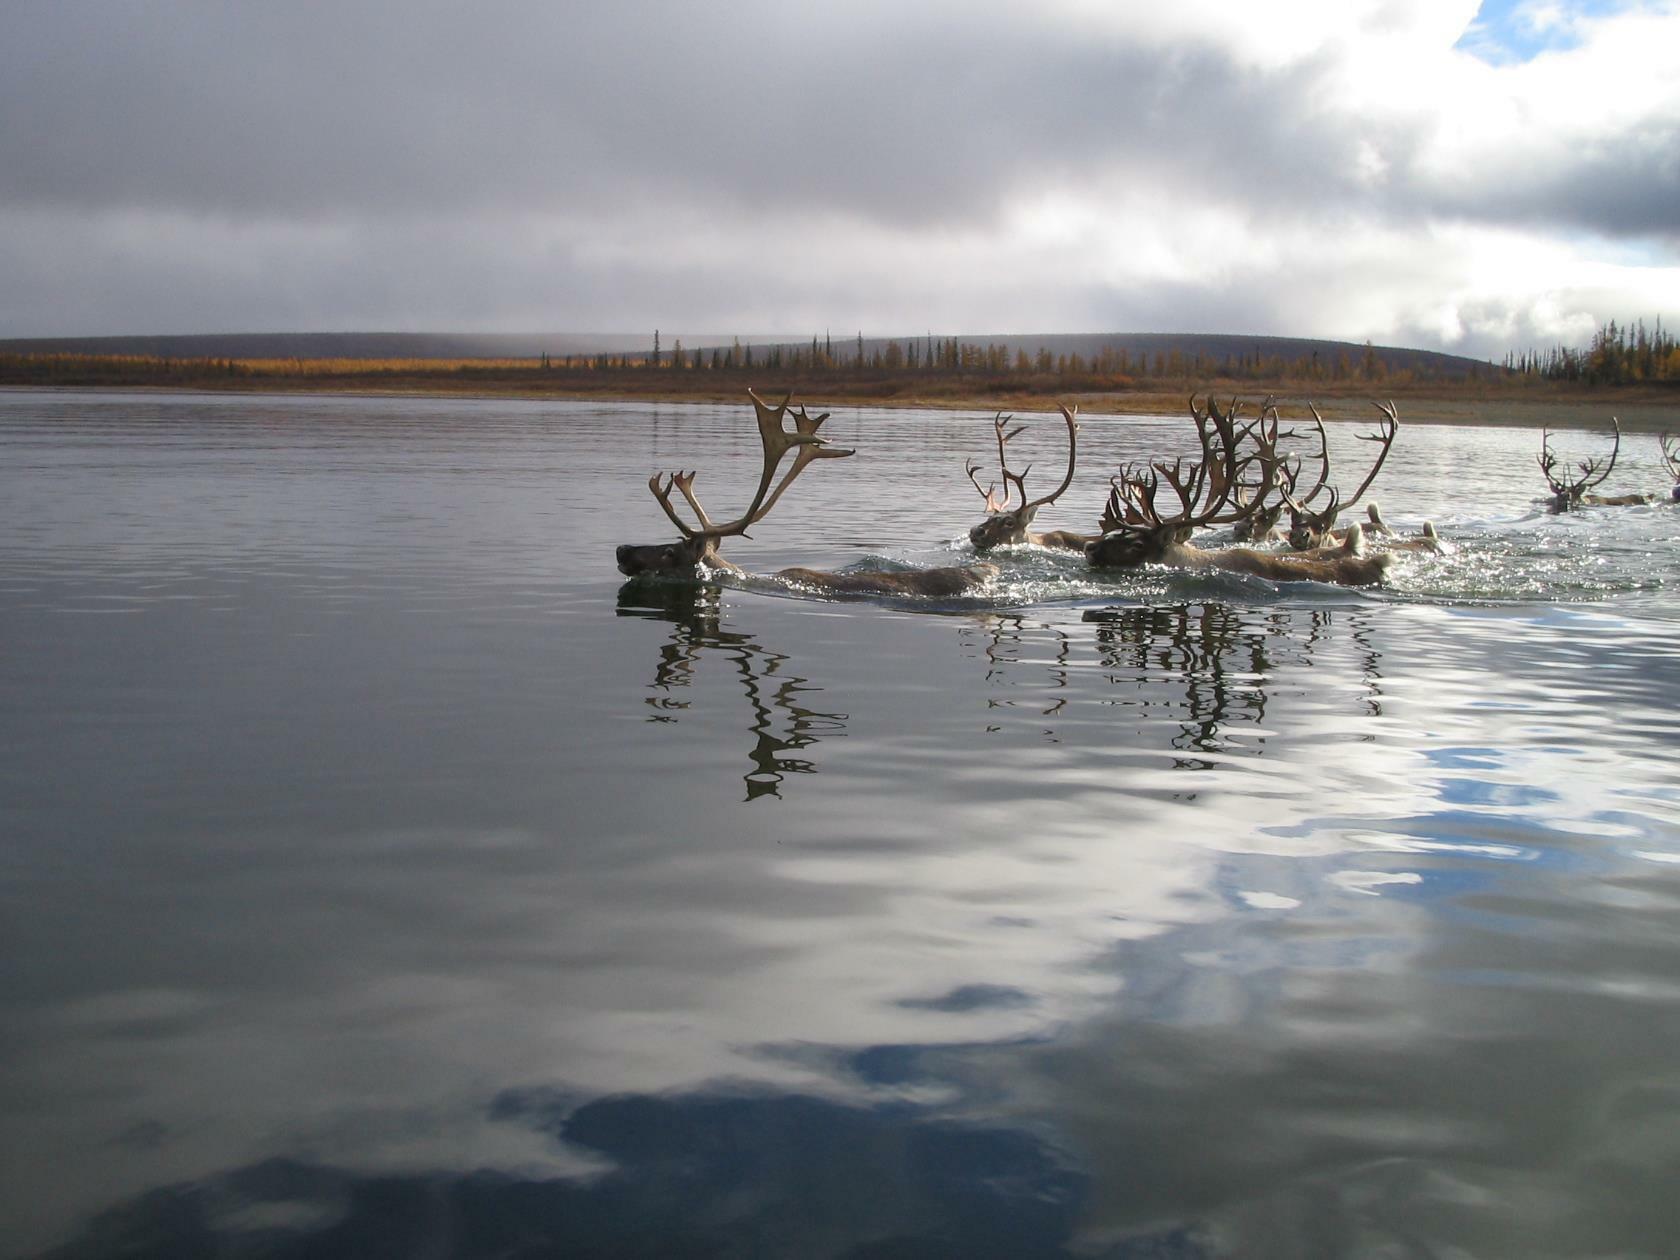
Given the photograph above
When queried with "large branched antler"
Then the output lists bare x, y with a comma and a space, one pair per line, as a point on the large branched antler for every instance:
1671, 455
1237, 469
777, 442
1387, 428
1126, 490
1258, 469
1015, 483
1300, 501
1310, 525
1070, 416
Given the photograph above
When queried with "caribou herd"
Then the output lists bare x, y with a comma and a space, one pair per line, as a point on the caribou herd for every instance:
1248, 471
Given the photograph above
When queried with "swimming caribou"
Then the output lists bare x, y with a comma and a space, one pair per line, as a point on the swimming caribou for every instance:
1005, 525
697, 548
1239, 467
1570, 492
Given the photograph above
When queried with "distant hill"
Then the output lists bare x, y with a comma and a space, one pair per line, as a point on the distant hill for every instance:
375, 345
1213, 349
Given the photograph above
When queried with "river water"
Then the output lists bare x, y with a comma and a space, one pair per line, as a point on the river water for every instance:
382, 874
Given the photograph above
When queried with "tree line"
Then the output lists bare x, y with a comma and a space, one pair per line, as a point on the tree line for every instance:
952, 357
1617, 355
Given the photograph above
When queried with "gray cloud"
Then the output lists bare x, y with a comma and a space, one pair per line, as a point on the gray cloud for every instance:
916, 115
314, 143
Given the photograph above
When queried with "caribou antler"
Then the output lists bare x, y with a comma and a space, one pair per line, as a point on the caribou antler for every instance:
700, 541
1224, 486
1000, 425
1309, 527
1004, 524
777, 442
1125, 498
1387, 428
1302, 502
1671, 455
1071, 417
1257, 519
989, 493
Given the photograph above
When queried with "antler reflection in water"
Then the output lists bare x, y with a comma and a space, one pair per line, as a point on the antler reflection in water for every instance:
1370, 665
781, 725
1006, 644
1220, 663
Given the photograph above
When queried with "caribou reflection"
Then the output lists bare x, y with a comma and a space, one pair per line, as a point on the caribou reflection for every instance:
1205, 665
1207, 671
782, 725
1008, 645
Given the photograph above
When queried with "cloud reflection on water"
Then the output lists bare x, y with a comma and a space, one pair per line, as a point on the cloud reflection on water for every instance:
359, 899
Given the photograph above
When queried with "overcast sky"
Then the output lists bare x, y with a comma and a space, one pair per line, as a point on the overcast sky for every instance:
1413, 172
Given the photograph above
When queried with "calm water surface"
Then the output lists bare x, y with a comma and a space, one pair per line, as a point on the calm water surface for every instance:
380, 875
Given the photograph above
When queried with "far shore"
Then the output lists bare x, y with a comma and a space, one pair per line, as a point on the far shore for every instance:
1639, 409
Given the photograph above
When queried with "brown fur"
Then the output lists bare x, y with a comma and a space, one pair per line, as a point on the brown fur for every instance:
1565, 502
1061, 540
939, 583
1340, 569
672, 560
1347, 565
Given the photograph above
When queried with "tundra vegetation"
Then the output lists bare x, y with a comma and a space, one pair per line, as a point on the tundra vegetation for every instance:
1630, 359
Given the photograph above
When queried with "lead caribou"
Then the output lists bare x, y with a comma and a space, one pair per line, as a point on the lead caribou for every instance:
1239, 467
697, 548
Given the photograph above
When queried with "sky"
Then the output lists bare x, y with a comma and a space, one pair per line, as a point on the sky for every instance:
1429, 173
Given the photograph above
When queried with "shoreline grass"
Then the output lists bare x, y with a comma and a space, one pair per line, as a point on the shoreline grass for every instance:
1513, 401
